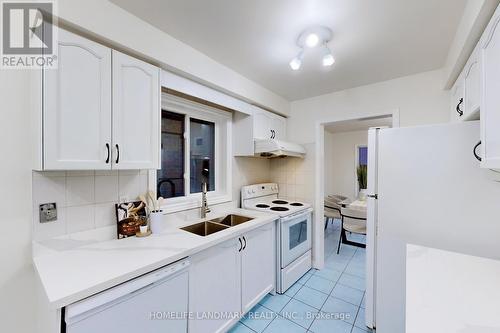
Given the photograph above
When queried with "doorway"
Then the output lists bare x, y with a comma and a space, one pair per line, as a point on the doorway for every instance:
342, 145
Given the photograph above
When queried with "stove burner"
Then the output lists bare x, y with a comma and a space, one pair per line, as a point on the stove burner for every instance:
262, 206
279, 209
280, 202
297, 204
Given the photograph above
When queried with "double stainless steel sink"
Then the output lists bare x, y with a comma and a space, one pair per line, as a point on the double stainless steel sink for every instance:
215, 225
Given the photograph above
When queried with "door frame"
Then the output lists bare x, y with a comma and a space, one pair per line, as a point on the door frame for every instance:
319, 191
319, 186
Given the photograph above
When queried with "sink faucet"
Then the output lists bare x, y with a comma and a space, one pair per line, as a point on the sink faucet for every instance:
204, 203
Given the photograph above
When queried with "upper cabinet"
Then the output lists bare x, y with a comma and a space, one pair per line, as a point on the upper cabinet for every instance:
465, 93
268, 125
98, 110
490, 93
472, 83
457, 99
136, 113
261, 125
77, 106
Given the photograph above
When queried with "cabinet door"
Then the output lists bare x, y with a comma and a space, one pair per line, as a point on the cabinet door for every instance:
490, 96
472, 87
136, 113
257, 265
262, 125
457, 99
214, 287
279, 127
77, 106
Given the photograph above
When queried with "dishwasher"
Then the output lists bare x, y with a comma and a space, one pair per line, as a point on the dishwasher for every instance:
153, 303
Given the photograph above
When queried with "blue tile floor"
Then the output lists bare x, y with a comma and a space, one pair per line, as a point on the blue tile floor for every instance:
330, 300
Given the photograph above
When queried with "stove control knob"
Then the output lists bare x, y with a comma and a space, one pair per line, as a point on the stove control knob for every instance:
253, 191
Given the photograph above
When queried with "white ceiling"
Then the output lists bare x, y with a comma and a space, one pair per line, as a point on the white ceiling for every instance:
372, 40
358, 124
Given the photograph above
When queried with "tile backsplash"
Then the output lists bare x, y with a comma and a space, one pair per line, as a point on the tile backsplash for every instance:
295, 176
85, 199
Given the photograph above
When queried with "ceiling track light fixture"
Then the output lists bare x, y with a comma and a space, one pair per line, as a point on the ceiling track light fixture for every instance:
311, 38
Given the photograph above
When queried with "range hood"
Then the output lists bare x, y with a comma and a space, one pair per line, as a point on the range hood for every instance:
270, 148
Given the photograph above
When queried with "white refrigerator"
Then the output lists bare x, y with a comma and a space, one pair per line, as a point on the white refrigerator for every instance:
430, 191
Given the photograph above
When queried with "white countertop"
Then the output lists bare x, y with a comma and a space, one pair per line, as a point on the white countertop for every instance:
448, 292
70, 273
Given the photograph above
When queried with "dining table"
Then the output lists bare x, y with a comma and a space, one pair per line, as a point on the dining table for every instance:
356, 204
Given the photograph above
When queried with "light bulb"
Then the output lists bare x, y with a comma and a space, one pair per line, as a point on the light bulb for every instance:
297, 61
312, 40
328, 58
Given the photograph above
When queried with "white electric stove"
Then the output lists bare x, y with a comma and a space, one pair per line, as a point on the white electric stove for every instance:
293, 230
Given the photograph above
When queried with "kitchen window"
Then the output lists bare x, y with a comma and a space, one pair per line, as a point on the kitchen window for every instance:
195, 142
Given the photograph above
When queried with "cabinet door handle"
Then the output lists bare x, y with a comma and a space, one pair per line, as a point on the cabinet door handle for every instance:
475, 152
109, 153
459, 111
244, 246
241, 245
117, 153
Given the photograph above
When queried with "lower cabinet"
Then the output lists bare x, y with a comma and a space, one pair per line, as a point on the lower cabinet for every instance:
214, 287
257, 266
229, 279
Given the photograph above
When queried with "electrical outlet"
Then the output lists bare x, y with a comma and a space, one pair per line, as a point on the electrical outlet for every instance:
48, 212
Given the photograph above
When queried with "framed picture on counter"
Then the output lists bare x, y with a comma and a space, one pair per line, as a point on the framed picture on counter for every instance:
129, 216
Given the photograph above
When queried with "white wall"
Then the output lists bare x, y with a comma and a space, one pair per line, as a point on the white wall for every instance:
16, 278
419, 98
123, 30
340, 161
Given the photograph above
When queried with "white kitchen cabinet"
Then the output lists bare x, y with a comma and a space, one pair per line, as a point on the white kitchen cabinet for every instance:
490, 96
457, 98
261, 125
472, 84
99, 110
268, 125
231, 278
279, 127
466, 92
215, 287
136, 113
257, 266
76, 114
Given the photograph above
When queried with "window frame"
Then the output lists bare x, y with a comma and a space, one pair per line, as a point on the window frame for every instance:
356, 164
223, 154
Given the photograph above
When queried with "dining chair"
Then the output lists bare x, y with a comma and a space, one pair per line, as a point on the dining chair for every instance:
332, 208
352, 221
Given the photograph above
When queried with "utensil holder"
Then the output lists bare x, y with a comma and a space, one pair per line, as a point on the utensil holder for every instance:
156, 221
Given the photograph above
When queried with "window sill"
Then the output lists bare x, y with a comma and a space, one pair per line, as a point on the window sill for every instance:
174, 206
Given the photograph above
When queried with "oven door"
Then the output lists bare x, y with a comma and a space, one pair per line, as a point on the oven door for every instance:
295, 236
